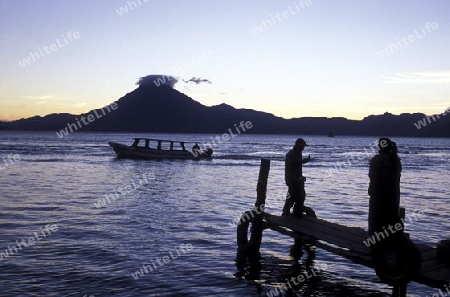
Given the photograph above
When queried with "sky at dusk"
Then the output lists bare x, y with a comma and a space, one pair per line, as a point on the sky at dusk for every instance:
347, 58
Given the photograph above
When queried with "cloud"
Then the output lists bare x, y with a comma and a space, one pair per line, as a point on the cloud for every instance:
419, 77
157, 80
198, 80
45, 97
169, 80
79, 105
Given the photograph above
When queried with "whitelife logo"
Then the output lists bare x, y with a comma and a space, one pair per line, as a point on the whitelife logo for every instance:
130, 6
146, 269
244, 126
279, 17
11, 250
125, 190
71, 127
391, 48
47, 50
9, 161
423, 123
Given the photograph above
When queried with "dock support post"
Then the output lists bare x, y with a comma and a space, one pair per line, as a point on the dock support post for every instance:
261, 191
251, 247
400, 290
261, 188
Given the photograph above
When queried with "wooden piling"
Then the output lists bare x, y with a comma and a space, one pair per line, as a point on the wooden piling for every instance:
261, 188
261, 193
254, 216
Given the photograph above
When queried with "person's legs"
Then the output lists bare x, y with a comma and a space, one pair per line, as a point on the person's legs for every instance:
299, 200
289, 202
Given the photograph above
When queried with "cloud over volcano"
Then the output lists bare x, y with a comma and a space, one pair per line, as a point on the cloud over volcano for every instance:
157, 80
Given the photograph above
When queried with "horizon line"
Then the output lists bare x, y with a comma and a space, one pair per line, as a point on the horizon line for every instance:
301, 117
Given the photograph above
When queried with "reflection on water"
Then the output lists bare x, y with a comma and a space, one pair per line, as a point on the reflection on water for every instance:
299, 274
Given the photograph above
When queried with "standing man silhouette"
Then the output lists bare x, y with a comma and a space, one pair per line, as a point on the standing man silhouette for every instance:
384, 188
293, 176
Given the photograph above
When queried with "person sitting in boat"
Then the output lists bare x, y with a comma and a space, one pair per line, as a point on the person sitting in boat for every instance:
196, 149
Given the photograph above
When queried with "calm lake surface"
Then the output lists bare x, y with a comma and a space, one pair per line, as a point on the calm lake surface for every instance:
184, 212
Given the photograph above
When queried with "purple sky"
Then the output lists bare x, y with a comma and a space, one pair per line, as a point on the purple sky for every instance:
293, 59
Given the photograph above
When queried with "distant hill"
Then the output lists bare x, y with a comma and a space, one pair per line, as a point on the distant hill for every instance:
163, 109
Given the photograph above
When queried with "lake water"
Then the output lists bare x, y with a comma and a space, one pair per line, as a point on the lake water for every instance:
178, 217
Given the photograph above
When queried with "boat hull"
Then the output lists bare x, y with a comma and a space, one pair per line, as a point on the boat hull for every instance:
136, 152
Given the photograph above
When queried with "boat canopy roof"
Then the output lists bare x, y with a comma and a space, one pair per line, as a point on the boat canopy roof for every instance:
159, 140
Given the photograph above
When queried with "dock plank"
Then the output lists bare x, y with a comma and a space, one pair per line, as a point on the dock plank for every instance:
346, 237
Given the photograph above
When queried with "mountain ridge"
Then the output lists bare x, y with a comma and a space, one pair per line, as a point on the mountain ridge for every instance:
166, 110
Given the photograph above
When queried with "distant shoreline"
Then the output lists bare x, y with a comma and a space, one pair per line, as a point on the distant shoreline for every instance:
212, 133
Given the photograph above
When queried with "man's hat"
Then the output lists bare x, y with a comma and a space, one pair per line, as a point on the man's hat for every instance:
300, 142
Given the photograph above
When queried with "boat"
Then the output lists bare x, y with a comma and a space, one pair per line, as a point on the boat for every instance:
162, 149
331, 134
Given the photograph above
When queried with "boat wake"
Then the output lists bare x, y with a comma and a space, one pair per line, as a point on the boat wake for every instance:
247, 157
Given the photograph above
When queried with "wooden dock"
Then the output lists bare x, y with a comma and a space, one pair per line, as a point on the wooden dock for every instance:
344, 241
347, 242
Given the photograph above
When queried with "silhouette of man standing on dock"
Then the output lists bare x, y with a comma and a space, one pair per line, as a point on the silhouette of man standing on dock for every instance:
384, 188
293, 176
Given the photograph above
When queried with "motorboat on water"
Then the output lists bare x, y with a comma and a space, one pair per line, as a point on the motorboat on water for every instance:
162, 149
